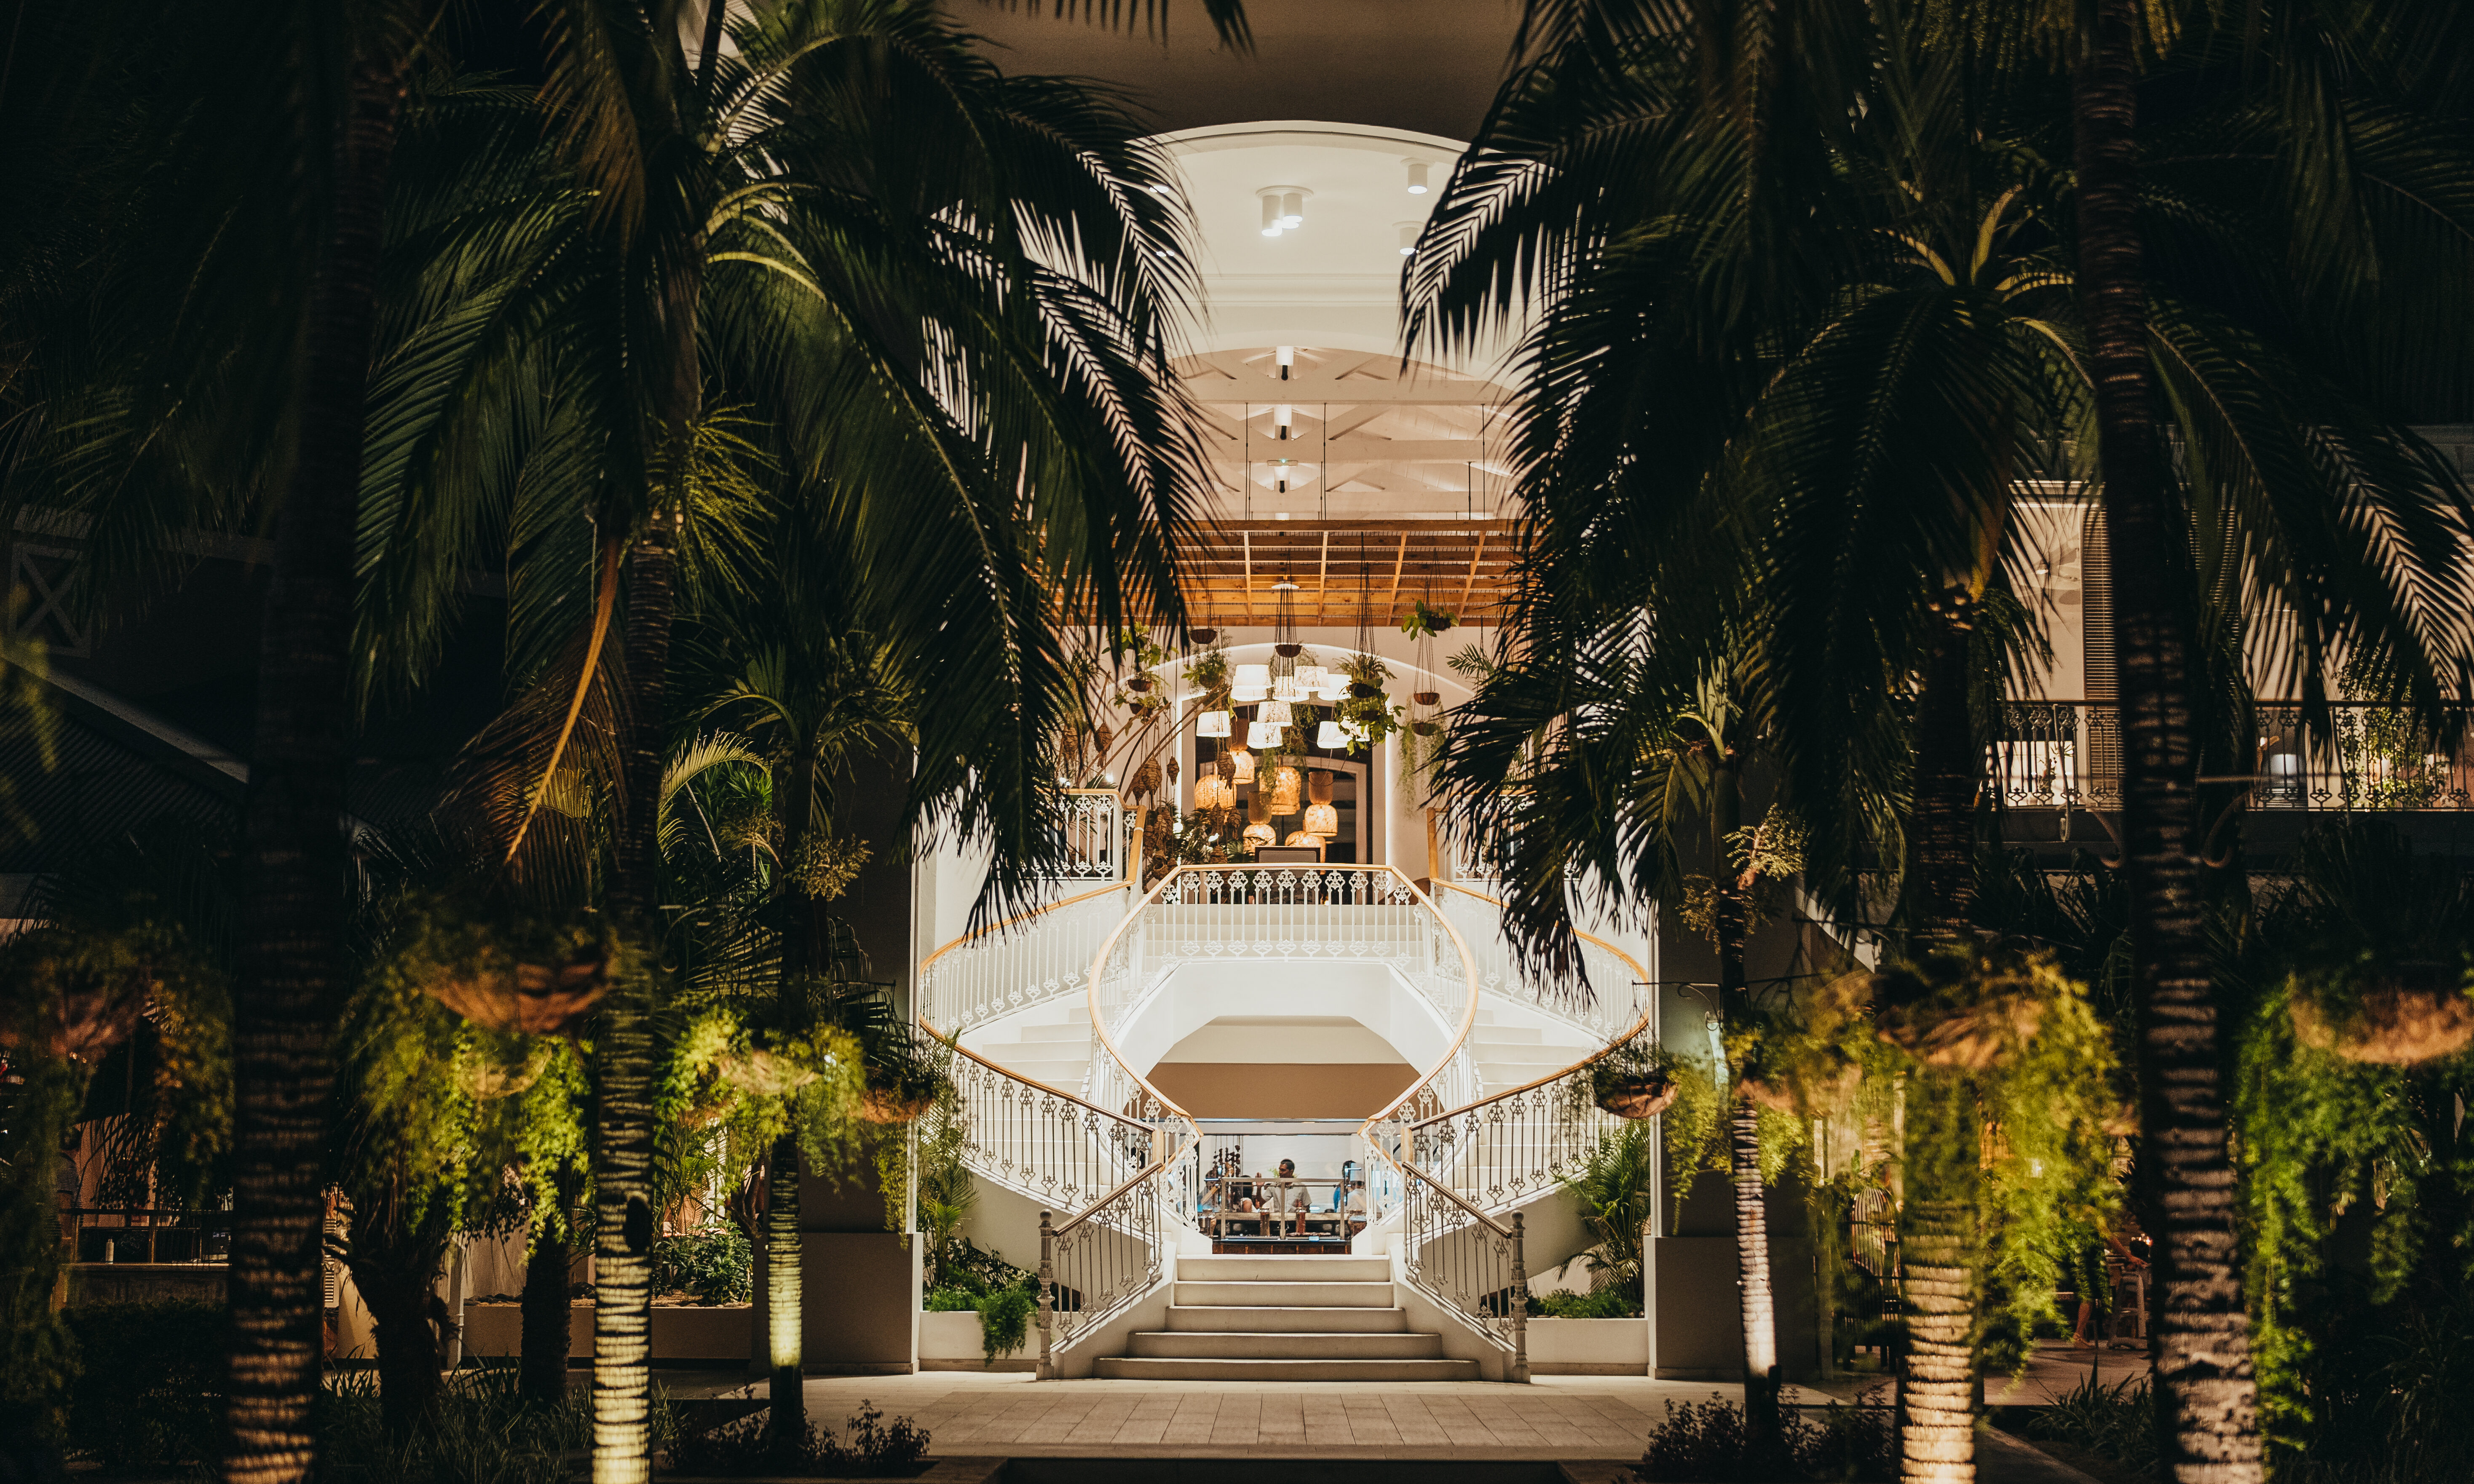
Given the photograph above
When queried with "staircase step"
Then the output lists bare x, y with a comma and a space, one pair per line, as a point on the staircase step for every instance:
1507, 1035
1235, 1268
1211, 1319
1078, 1032
1284, 1345
1139, 1368
1300, 1295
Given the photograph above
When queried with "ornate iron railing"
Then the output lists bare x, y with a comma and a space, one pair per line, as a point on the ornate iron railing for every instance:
1092, 826
1469, 1263
1503, 1150
1041, 1141
2068, 754
1023, 961
1098, 1262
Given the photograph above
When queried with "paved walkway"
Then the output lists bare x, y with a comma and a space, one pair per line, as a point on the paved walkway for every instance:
1554, 1416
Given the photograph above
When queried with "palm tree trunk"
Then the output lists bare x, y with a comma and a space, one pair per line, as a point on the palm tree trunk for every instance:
2201, 1344
1937, 1269
785, 1254
542, 1372
292, 930
1947, 776
623, 1159
1760, 1302
785, 1307
398, 1287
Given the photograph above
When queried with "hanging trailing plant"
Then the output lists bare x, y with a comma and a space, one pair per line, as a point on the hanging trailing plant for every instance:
1424, 622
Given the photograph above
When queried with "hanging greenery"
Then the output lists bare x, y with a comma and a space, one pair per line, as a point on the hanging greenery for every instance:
2013, 1107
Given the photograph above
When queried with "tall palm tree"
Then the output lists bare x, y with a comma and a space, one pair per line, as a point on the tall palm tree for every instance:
938, 300
1745, 336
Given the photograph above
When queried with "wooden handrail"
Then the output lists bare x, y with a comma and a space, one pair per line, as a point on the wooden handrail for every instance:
1593, 1058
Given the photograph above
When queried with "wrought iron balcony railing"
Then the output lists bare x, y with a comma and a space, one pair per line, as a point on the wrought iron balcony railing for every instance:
2068, 754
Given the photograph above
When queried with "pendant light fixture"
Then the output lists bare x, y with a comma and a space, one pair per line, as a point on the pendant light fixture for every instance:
1241, 769
1284, 791
1262, 734
1213, 724
1322, 819
1331, 735
1253, 683
1277, 713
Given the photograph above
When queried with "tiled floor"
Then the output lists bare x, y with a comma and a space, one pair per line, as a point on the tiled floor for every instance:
1009, 1414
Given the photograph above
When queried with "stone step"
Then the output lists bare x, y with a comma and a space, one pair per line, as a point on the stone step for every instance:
1140, 1368
1303, 1295
1240, 1268
1506, 1035
1210, 1319
1284, 1345
1078, 1032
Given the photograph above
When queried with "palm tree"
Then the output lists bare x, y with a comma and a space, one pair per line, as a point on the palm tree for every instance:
814, 699
938, 301
1745, 335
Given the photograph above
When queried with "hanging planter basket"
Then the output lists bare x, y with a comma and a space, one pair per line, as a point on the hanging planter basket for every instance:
1364, 691
530, 1000
895, 1105
1288, 651
1202, 635
1139, 683
1971, 1039
486, 1080
763, 1073
84, 1019
1637, 1097
2390, 1025
1429, 698
1427, 729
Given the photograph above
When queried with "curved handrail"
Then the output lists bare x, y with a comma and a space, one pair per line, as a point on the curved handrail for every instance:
1466, 1277
1648, 1011
1511, 1144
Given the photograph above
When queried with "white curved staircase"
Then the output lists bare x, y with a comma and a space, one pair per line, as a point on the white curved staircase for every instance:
1059, 1113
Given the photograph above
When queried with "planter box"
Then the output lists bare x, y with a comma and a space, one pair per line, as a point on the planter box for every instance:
1589, 1347
681, 1332
950, 1342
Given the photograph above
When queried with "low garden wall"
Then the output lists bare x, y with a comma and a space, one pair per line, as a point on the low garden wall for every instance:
1589, 1347
950, 1342
683, 1333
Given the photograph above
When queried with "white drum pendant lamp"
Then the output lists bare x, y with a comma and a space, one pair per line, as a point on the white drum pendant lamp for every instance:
1331, 734
1278, 714
1262, 734
1212, 724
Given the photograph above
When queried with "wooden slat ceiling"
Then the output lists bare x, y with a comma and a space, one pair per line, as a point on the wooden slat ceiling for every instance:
1462, 566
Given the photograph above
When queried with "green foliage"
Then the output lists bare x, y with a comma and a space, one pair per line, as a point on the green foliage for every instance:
483, 1432
946, 1192
2117, 1422
1709, 1443
2011, 1088
1616, 1189
747, 1449
1425, 622
1696, 1124
1606, 1300
717, 1264
1005, 1320
38, 1356
150, 1391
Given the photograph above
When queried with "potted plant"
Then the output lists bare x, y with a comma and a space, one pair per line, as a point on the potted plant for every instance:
1425, 622
1635, 1080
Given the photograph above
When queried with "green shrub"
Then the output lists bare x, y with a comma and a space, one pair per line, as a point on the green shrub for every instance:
717, 1265
1707, 1443
2117, 1422
745, 1447
949, 1301
152, 1389
1005, 1321
1615, 1300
